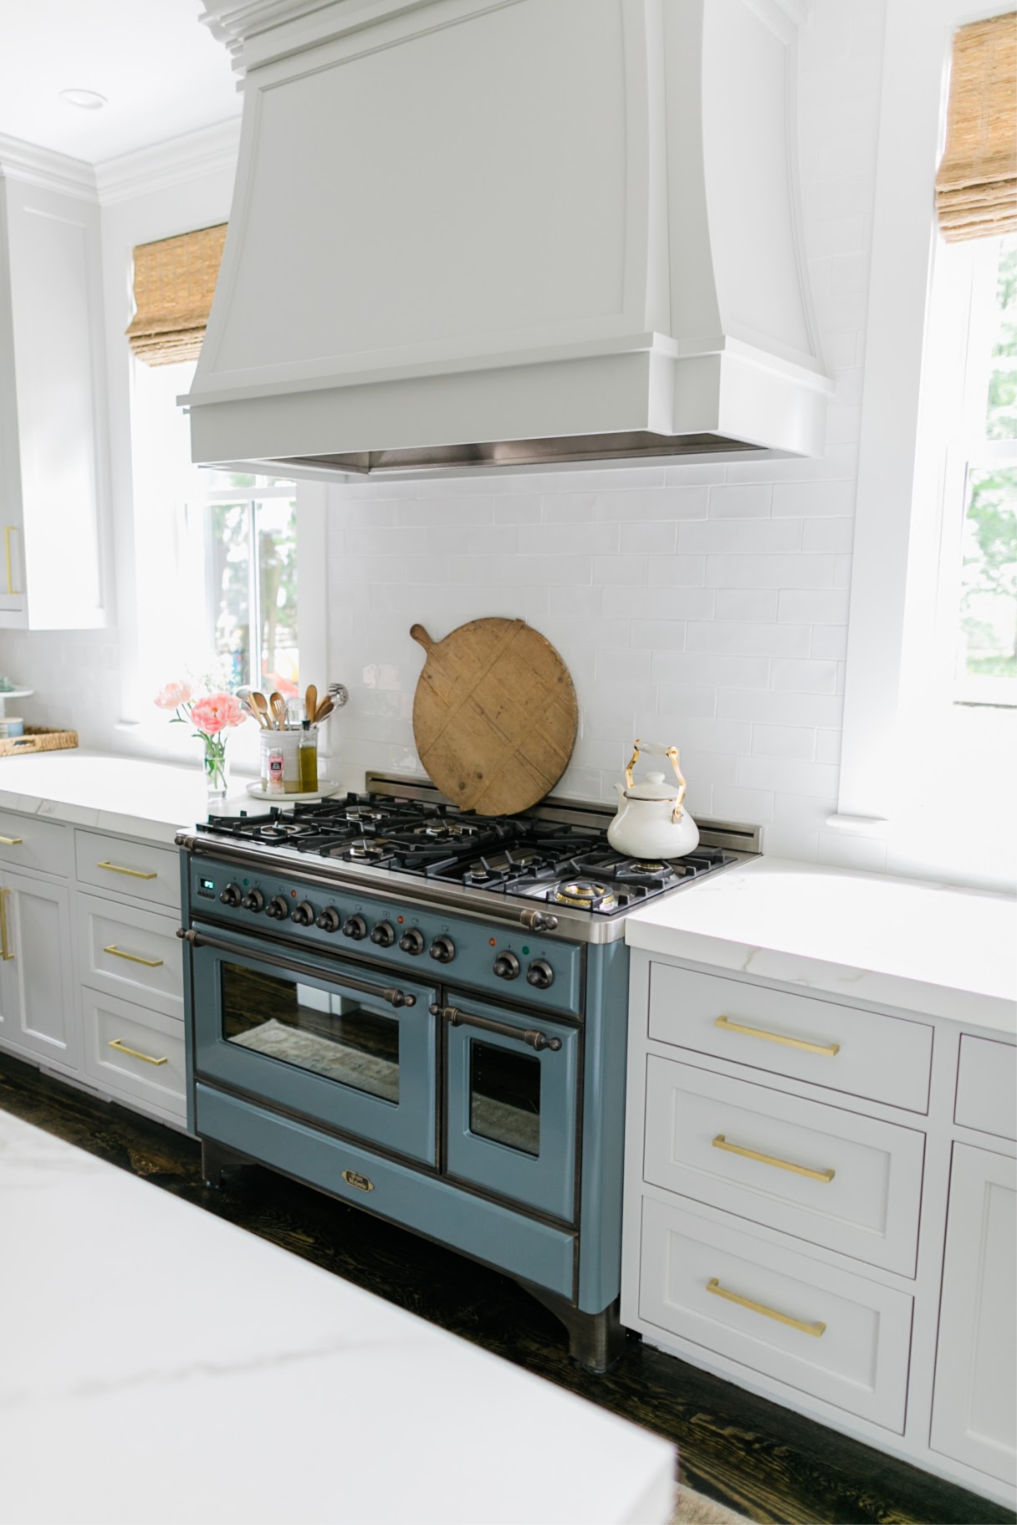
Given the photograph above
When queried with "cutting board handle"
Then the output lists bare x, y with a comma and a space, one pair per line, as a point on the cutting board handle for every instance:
420, 634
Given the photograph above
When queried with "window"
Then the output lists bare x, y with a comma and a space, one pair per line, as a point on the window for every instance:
929, 724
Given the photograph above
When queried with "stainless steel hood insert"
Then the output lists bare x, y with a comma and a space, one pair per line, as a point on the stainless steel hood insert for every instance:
486, 233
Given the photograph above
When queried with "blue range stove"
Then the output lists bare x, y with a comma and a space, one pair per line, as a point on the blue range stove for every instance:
422, 1012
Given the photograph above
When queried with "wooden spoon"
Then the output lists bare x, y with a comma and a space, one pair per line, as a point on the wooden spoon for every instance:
260, 706
277, 705
324, 709
310, 701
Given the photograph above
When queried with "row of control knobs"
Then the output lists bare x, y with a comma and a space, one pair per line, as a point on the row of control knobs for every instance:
383, 933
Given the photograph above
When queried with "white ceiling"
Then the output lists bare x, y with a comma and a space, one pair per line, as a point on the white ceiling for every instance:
161, 71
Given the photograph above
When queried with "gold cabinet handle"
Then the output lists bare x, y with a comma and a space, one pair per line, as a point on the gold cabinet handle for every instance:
135, 1053
720, 1142
149, 963
760, 1032
816, 1329
135, 873
5, 953
8, 532
11, 841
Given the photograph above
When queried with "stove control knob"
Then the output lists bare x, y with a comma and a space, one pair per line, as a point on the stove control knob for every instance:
254, 900
412, 941
232, 895
303, 914
540, 974
443, 949
383, 934
329, 921
355, 927
278, 909
506, 966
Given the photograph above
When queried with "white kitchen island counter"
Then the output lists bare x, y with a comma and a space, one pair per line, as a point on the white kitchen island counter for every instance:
158, 1364
932, 948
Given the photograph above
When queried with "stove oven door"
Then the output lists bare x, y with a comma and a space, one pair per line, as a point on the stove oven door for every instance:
512, 1105
349, 1047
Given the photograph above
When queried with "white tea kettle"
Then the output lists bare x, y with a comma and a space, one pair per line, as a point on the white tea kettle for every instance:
652, 821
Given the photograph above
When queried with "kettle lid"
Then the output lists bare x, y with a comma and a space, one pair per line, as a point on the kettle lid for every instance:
654, 787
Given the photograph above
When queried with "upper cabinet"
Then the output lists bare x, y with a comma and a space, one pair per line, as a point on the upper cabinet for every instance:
53, 439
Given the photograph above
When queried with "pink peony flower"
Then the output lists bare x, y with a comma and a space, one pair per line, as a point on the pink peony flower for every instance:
173, 695
215, 712
274, 680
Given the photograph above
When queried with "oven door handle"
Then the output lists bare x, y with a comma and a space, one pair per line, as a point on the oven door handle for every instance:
393, 996
530, 1035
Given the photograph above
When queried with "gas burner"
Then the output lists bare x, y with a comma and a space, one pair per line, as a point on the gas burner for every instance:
584, 894
487, 871
281, 831
446, 830
368, 849
359, 814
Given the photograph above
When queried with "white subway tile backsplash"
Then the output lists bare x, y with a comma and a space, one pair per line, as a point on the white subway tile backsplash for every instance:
657, 537
751, 807
788, 775
678, 571
656, 503
745, 536
694, 703
748, 639
780, 708
660, 603
744, 500
757, 604
658, 635
546, 539
771, 571
784, 741
802, 606
804, 500
710, 667
622, 569
828, 535
805, 677
828, 747
829, 641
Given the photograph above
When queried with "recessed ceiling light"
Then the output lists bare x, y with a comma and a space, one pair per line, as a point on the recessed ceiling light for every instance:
88, 100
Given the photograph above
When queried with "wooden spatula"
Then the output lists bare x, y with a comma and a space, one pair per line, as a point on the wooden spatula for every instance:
277, 704
260, 706
310, 701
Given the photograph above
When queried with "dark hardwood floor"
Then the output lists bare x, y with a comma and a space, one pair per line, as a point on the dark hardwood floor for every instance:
753, 1456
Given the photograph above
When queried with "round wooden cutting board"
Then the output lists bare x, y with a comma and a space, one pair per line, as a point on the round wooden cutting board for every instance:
494, 715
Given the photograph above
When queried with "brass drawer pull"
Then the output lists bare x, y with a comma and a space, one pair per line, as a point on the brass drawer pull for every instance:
11, 841
816, 1329
720, 1142
135, 873
149, 963
8, 532
135, 1053
760, 1032
4, 950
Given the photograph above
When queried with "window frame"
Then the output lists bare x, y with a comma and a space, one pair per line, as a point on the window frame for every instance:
895, 579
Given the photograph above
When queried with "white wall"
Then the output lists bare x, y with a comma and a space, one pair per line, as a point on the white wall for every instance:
702, 605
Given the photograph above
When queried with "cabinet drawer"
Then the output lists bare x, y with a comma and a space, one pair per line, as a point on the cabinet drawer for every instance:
128, 951
135, 1052
26, 842
987, 1086
806, 1168
136, 869
860, 1052
825, 1331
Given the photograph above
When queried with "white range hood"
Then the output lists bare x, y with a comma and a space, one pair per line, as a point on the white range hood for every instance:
475, 233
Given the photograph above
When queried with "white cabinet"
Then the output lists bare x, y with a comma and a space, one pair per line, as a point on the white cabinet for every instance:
37, 1011
812, 1209
91, 976
53, 442
974, 1411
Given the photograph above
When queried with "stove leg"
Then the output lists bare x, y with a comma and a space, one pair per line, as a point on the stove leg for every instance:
215, 1160
596, 1340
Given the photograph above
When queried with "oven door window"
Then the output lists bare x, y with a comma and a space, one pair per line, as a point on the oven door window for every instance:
512, 1110
505, 1097
314, 1029
322, 1041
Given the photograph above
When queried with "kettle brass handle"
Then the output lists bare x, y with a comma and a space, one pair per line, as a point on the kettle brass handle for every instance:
671, 753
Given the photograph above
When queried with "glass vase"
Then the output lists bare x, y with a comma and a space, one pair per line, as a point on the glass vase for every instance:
215, 768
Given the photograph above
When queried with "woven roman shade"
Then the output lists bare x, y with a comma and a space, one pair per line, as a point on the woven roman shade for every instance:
976, 186
174, 282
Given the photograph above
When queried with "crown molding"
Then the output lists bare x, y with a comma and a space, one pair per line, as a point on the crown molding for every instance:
202, 152
232, 22
41, 166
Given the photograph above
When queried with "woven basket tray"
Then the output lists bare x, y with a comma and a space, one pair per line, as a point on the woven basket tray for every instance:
37, 738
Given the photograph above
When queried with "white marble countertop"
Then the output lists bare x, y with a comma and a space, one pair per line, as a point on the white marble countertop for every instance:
158, 1364
928, 948
133, 796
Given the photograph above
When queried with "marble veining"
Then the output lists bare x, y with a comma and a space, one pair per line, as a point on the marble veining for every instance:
179, 1367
